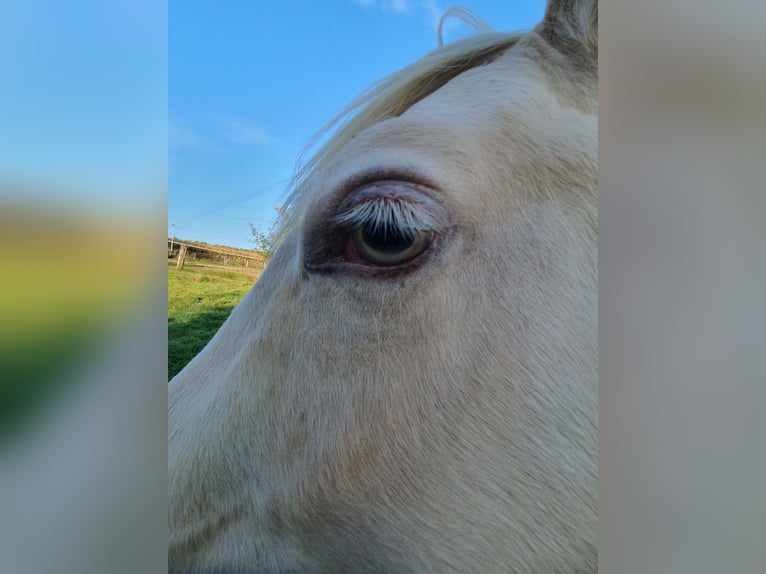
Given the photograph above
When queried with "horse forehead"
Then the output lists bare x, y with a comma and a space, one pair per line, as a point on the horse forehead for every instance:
513, 85
502, 110
511, 97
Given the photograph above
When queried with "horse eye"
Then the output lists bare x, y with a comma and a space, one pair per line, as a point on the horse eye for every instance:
389, 245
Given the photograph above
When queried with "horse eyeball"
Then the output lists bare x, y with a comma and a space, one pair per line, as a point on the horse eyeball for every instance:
387, 246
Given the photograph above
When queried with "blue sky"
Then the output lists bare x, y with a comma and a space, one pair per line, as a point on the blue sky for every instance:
250, 82
83, 102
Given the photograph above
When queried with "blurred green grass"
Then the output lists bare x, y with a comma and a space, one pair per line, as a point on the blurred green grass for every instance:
68, 283
34, 376
199, 301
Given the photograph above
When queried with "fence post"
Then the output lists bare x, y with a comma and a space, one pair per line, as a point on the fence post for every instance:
181, 256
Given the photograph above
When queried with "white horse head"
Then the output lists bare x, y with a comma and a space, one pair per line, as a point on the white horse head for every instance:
411, 384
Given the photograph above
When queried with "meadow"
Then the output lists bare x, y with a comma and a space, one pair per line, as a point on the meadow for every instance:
199, 301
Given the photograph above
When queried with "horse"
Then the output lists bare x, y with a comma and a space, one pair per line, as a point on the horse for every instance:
411, 385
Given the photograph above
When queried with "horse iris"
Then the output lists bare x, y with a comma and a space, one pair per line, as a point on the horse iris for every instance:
388, 245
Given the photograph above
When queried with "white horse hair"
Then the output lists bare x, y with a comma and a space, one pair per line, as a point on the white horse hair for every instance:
411, 385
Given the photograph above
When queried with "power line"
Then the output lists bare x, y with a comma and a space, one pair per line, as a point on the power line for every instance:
231, 202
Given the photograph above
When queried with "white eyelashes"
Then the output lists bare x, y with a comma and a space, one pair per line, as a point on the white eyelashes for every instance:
386, 215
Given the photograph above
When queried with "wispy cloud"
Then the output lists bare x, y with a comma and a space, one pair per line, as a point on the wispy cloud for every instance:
242, 132
430, 11
215, 133
183, 137
395, 6
398, 6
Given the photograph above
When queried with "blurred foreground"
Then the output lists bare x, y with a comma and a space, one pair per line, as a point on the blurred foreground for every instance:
83, 391
83, 171
682, 279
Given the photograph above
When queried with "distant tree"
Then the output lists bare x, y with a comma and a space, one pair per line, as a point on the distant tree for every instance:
265, 241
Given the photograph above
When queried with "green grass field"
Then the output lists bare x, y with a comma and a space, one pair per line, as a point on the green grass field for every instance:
199, 301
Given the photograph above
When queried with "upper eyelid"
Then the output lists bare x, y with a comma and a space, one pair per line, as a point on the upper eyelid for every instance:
387, 176
346, 191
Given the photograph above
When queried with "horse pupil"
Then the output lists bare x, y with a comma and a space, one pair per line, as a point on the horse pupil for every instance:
387, 239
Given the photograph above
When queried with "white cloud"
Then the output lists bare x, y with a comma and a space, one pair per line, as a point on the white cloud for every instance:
429, 11
398, 6
214, 133
184, 137
395, 6
238, 131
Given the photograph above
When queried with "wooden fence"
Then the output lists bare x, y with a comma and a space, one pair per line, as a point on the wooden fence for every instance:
199, 256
